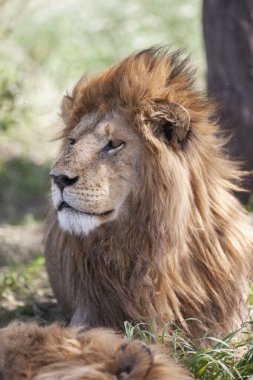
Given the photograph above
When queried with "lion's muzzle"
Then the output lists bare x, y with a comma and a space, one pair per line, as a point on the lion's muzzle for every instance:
62, 180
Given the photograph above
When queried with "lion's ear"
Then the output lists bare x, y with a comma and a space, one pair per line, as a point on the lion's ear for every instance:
170, 120
66, 107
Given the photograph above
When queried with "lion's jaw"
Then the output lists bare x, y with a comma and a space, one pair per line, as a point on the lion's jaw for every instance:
74, 220
101, 179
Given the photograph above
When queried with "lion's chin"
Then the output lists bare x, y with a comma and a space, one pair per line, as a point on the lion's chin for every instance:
79, 223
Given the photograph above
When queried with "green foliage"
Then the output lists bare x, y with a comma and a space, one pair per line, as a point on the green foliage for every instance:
251, 298
13, 110
25, 293
11, 87
104, 32
24, 185
20, 278
230, 358
226, 359
250, 203
142, 330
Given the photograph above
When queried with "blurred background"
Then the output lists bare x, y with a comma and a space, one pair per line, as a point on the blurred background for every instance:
44, 49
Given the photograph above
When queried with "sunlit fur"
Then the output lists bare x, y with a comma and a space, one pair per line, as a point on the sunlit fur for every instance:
185, 248
29, 352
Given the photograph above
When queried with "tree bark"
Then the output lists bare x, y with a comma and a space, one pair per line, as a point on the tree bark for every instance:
228, 34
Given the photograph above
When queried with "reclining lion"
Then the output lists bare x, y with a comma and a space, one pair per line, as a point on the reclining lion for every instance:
144, 224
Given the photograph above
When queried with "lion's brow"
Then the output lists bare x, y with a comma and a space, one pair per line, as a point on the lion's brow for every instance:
88, 122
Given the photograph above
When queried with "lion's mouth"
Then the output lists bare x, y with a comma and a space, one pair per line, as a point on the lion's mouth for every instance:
64, 204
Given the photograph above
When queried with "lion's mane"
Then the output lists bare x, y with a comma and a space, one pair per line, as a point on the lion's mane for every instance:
30, 352
186, 250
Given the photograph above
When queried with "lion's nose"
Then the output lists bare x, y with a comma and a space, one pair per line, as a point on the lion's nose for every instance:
62, 180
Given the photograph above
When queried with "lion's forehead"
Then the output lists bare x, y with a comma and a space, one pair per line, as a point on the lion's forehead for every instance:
87, 123
97, 123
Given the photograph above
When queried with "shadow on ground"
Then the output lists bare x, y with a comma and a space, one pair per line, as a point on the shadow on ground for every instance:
42, 312
25, 293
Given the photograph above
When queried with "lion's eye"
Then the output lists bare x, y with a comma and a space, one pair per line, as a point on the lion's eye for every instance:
71, 142
114, 145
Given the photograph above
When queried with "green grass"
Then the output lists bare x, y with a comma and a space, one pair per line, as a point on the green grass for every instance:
25, 293
250, 204
230, 358
20, 278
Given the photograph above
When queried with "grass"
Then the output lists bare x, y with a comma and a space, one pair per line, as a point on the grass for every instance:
20, 278
230, 358
250, 204
25, 293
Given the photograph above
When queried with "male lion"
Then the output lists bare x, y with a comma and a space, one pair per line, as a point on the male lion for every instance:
30, 352
145, 226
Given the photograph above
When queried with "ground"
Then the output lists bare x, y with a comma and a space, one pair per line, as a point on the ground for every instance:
24, 289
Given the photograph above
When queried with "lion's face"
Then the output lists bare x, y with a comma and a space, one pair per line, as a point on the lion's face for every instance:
113, 123
95, 173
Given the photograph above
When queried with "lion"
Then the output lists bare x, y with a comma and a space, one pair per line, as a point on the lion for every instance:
145, 226
30, 352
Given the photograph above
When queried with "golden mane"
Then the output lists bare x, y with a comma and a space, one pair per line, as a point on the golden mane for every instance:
30, 352
186, 250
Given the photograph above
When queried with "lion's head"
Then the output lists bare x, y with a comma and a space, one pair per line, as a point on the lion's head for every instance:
106, 147
149, 226
96, 173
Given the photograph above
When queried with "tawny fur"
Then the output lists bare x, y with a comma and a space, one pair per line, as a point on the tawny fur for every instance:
30, 352
185, 248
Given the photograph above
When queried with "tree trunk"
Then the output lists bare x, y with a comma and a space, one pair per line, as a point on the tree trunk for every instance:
228, 34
